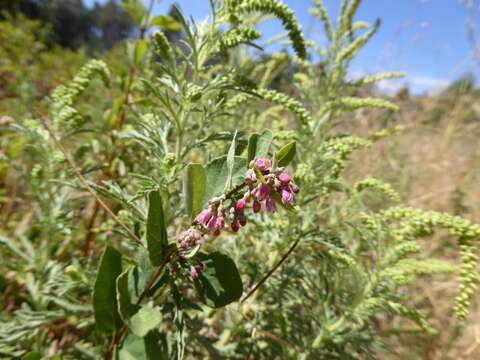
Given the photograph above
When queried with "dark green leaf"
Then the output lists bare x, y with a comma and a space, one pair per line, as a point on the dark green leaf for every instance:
194, 181
259, 144
156, 230
128, 293
104, 299
286, 154
219, 284
217, 174
32, 356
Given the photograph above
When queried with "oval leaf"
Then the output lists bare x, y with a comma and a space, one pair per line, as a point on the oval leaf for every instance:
219, 284
194, 181
104, 299
156, 230
145, 320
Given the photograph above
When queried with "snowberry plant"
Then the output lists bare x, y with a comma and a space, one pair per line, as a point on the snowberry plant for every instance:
185, 206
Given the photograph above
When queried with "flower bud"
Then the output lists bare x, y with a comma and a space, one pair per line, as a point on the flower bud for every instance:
193, 273
204, 216
242, 219
250, 175
262, 164
234, 225
256, 206
263, 192
284, 177
295, 189
287, 197
269, 204
241, 203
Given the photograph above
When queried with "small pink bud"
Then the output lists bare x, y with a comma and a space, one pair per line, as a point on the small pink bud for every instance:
287, 197
199, 266
294, 188
219, 223
262, 164
263, 191
241, 203
193, 272
212, 223
284, 177
204, 216
256, 206
269, 204
234, 225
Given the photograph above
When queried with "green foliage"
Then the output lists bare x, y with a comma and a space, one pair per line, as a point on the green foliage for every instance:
172, 139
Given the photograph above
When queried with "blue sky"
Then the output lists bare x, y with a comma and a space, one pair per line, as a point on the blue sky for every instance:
426, 39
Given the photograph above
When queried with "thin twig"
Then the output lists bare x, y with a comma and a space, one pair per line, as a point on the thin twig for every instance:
84, 181
270, 273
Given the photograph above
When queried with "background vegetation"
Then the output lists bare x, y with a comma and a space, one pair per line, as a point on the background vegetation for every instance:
364, 162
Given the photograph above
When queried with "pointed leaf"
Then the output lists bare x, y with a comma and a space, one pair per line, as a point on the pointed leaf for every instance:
219, 284
194, 181
259, 144
104, 299
156, 230
165, 22
141, 47
286, 154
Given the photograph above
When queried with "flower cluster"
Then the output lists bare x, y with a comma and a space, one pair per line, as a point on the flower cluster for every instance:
262, 185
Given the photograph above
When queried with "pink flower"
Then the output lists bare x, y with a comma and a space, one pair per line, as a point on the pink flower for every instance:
212, 223
269, 204
287, 197
204, 216
284, 177
263, 192
262, 164
193, 272
219, 223
234, 225
256, 206
241, 203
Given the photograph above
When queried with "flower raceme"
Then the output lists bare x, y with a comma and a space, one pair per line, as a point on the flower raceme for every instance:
262, 184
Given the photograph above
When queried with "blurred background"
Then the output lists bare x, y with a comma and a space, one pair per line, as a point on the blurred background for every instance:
434, 163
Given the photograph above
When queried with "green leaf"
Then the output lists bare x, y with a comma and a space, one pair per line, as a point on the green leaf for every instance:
259, 144
194, 181
156, 231
141, 47
219, 284
165, 22
150, 347
104, 299
145, 320
128, 293
286, 154
230, 163
136, 9
32, 356
217, 175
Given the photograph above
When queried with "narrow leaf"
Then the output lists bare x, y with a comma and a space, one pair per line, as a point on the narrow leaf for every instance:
194, 181
156, 230
104, 299
165, 23
286, 154
141, 47
230, 162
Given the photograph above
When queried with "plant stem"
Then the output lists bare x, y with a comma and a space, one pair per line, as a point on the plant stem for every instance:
270, 273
